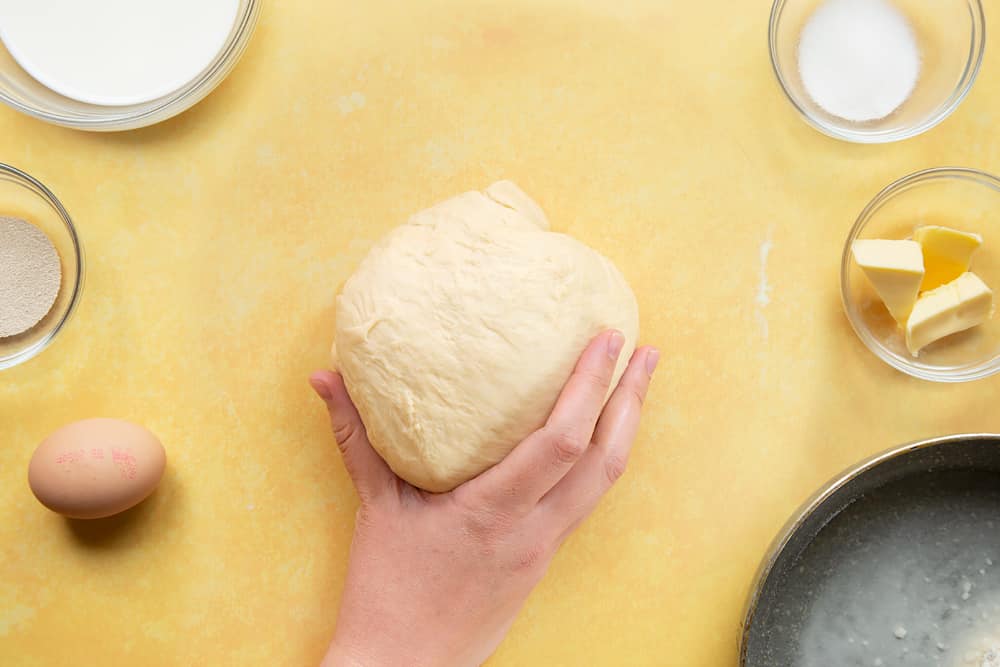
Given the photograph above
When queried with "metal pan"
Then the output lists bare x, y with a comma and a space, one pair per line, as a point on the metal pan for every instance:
894, 562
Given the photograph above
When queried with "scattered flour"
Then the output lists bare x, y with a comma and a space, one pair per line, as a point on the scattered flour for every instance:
764, 287
350, 103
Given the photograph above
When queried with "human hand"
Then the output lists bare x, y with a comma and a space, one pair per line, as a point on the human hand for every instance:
436, 580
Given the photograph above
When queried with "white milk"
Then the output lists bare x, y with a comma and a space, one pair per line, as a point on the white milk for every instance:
115, 52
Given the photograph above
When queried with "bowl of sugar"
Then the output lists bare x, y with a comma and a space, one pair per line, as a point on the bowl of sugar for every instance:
110, 65
41, 267
876, 71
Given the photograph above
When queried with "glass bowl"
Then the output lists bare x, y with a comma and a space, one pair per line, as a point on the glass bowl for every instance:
20, 90
21, 196
951, 35
964, 199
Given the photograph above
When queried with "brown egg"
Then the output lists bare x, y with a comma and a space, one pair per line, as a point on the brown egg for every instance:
96, 467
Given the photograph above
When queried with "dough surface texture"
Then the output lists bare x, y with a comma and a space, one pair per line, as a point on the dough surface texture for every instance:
457, 332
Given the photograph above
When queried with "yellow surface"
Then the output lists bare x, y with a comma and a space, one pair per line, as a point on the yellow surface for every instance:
652, 130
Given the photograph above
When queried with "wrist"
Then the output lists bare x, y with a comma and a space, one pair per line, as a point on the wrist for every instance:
371, 654
338, 656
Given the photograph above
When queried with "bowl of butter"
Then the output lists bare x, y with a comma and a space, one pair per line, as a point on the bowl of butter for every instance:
919, 274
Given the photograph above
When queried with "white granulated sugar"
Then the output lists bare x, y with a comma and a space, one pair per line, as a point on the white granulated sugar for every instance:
859, 59
30, 276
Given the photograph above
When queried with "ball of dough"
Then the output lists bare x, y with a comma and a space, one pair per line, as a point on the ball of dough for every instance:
458, 330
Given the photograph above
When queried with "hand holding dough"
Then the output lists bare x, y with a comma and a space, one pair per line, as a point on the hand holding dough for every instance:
458, 330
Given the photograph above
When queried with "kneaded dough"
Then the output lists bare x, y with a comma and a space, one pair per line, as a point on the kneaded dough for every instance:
457, 332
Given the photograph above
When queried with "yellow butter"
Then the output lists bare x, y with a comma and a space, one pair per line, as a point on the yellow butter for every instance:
964, 303
947, 253
895, 269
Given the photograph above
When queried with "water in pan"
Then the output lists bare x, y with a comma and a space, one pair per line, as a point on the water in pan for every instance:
908, 575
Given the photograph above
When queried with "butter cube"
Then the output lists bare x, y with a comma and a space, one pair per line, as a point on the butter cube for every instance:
964, 303
895, 269
947, 253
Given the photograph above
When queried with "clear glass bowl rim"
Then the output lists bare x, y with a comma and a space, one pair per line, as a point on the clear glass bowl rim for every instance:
977, 48
167, 106
39, 188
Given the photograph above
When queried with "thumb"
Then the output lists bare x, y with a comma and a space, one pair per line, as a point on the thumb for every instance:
368, 471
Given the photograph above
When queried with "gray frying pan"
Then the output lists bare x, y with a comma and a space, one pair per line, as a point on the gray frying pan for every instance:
896, 562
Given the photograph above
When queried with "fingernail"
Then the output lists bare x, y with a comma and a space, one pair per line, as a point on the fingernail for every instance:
320, 387
616, 341
652, 359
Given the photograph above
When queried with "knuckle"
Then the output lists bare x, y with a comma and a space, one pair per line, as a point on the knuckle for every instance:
638, 394
367, 517
530, 557
614, 468
502, 506
379, 502
567, 447
344, 432
597, 381
486, 525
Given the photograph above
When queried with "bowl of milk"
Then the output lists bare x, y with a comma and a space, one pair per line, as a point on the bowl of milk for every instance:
893, 563
876, 71
111, 65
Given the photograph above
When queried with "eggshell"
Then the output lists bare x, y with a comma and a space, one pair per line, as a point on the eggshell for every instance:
96, 467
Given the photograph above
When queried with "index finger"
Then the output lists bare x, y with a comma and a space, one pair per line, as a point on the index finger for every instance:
537, 464
582, 399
